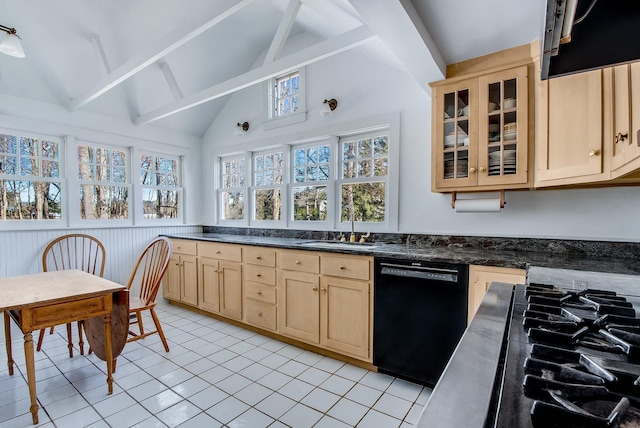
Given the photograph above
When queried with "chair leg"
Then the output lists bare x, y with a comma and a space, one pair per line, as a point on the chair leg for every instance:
80, 343
70, 340
140, 326
51, 329
40, 339
156, 321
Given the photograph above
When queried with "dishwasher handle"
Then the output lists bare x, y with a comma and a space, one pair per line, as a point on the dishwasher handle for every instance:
443, 275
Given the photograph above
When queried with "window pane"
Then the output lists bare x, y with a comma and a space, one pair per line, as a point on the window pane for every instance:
232, 205
8, 165
30, 200
268, 204
324, 154
364, 168
103, 202
298, 156
259, 162
50, 169
349, 170
299, 175
310, 203
160, 203
364, 148
380, 147
366, 199
312, 155
349, 150
380, 167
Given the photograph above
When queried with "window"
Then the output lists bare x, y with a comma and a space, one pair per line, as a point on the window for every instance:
311, 173
232, 195
104, 185
161, 187
30, 183
364, 178
285, 100
268, 180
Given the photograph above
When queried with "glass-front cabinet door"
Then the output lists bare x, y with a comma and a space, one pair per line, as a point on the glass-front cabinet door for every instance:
455, 110
503, 127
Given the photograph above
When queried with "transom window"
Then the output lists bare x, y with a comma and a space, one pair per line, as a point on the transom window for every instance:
161, 187
232, 196
104, 184
287, 94
30, 182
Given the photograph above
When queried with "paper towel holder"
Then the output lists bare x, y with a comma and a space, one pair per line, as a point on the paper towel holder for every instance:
502, 200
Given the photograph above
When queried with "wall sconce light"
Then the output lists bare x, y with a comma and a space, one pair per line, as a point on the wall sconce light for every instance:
241, 128
328, 106
11, 45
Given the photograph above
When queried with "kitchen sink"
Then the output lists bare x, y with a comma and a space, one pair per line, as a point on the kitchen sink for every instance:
340, 244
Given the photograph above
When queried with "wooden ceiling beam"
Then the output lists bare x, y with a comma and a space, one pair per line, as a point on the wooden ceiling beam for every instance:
153, 53
317, 52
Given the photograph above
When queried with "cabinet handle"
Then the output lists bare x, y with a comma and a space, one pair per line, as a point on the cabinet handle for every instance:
315, 288
258, 258
621, 137
595, 152
342, 268
258, 275
324, 290
472, 170
177, 264
259, 293
217, 252
297, 262
482, 169
259, 314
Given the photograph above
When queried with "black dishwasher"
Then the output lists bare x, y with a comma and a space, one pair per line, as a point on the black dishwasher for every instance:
420, 313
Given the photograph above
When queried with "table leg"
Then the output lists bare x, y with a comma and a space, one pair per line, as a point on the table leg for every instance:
7, 339
31, 375
108, 351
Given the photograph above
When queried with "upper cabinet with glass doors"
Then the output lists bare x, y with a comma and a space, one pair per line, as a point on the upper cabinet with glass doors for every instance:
481, 131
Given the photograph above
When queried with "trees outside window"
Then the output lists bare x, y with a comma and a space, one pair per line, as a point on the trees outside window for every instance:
104, 183
311, 174
161, 186
232, 188
268, 180
30, 181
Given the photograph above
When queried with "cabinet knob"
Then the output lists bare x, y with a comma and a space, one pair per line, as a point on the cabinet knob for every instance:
482, 169
297, 262
595, 152
179, 248
621, 137
342, 268
259, 314
258, 275
217, 252
315, 288
324, 290
177, 264
259, 293
472, 170
258, 258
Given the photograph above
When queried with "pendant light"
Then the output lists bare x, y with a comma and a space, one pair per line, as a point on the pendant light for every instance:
11, 45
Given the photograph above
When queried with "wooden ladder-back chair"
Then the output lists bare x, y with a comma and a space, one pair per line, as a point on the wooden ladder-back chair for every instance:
147, 275
73, 251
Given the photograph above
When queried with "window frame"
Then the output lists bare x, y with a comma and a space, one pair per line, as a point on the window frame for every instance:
220, 190
272, 121
139, 188
31, 224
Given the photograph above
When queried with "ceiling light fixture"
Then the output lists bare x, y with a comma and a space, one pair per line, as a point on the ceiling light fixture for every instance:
11, 44
328, 106
241, 128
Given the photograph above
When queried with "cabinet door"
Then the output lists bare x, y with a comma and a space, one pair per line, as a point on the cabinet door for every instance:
189, 289
230, 277
172, 279
345, 315
569, 137
480, 279
208, 284
503, 127
454, 135
625, 150
299, 305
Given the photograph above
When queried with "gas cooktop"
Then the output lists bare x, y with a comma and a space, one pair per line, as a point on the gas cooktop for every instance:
572, 360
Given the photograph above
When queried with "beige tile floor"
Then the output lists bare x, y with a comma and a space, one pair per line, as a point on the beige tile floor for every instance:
216, 375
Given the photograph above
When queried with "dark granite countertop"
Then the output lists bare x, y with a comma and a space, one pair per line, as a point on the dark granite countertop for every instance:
420, 251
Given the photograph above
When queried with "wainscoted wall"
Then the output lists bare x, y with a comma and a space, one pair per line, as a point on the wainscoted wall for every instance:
21, 251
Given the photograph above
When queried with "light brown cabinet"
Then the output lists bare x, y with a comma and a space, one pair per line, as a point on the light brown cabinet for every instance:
624, 134
220, 279
481, 277
180, 281
481, 131
325, 300
260, 291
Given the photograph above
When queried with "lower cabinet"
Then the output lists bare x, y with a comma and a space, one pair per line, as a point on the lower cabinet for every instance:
299, 305
480, 279
220, 287
180, 282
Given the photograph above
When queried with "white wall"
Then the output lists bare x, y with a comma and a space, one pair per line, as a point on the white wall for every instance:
364, 89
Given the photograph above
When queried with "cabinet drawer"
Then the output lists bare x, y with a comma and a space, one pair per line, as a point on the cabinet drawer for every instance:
214, 250
260, 256
262, 292
264, 275
261, 314
183, 246
345, 267
300, 261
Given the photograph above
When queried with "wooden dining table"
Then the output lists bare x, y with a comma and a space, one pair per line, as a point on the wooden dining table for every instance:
44, 299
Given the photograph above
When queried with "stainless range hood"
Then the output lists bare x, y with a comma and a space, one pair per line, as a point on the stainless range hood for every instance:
583, 35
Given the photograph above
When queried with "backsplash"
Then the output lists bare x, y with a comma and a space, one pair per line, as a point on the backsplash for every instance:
572, 248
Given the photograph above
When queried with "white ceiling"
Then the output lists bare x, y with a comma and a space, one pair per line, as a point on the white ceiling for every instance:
213, 48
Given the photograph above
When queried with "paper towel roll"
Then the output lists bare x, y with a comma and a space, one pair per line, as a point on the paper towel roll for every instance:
484, 205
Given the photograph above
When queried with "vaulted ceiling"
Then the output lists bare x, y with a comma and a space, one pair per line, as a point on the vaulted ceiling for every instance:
173, 64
